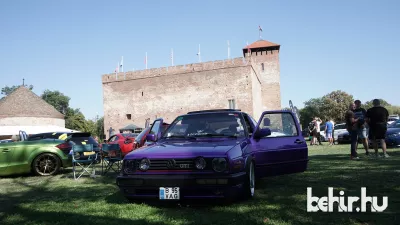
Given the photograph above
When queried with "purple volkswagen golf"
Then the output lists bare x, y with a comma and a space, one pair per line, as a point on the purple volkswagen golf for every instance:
213, 154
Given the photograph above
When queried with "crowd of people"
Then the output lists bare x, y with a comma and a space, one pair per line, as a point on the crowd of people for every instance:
361, 124
364, 124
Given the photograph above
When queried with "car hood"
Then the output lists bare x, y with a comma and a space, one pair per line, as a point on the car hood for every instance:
393, 130
184, 149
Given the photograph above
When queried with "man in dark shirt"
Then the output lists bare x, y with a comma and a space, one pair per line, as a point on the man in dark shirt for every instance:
362, 132
351, 125
377, 118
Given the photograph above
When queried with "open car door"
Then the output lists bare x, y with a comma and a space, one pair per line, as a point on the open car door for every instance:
155, 131
279, 147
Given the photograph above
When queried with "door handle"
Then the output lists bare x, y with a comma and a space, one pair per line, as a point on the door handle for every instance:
6, 150
298, 141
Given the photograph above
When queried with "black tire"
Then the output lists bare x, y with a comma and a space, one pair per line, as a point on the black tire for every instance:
249, 184
46, 164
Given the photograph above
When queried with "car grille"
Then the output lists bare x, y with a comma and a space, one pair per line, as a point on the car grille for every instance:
171, 164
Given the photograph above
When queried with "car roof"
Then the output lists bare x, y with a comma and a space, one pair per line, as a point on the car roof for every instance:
214, 111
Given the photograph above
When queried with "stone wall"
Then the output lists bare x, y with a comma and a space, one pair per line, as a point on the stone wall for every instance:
172, 91
173, 95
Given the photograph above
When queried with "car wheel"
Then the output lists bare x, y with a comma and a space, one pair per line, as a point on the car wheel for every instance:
46, 164
249, 184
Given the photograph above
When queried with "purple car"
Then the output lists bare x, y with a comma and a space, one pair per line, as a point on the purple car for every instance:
213, 154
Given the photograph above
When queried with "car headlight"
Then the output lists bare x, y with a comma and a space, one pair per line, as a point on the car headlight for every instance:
200, 163
219, 164
144, 164
129, 166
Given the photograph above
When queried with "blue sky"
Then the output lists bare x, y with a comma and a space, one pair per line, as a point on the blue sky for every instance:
67, 45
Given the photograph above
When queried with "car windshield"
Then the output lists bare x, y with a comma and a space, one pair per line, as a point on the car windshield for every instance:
206, 125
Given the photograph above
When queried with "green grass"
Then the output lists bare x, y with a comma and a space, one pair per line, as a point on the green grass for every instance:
279, 200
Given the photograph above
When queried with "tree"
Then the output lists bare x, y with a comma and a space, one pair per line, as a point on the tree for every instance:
330, 106
75, 120
8, 90
57, 99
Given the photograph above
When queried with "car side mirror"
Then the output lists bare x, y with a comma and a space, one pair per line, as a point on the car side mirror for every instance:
267, 122
262, 133
151, 137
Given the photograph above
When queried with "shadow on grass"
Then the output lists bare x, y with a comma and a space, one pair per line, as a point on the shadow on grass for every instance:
278, 200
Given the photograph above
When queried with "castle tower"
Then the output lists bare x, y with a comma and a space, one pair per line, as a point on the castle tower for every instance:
264, 57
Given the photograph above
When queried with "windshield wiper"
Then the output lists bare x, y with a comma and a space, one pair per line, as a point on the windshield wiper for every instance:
217, 135
179, 136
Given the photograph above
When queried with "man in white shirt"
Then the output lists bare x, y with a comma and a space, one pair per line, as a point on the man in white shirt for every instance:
318, 122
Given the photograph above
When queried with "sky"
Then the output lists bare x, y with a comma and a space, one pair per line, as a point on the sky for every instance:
351, 46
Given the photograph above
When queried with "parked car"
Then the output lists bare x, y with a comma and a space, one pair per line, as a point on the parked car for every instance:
43, 157
213, 154
339, 129
392, 135
125, 141
5, 141
78, 138
344, 138
75, 138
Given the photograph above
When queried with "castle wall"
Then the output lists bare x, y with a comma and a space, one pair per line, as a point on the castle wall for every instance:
168, 94
172, 91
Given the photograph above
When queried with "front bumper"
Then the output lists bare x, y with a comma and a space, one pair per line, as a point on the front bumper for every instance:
191, 186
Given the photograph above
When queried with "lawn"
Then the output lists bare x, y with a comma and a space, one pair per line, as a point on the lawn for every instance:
279, 200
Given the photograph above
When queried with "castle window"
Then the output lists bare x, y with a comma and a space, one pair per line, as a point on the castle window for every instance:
142, 93
262, 66
128, 116
232, 104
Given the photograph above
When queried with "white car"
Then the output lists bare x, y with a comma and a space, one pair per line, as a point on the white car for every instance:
393, 118
338, 129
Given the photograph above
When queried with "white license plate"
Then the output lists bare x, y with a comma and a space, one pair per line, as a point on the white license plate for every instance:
169, 193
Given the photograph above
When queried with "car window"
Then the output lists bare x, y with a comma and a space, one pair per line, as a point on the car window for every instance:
207, 124
155, 128
247, 120
114, 138
341, 126
280, 124
141, 135
129, 134
86, 140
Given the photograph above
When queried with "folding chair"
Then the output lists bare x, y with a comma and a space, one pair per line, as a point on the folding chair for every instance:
83, 155
112, 156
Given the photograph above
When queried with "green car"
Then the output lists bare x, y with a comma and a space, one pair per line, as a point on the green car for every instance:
42, 157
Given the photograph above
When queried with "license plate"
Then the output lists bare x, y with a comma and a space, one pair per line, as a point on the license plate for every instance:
88, 153
169, 193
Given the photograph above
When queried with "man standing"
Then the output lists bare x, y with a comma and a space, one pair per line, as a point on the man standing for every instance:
328, 131
318, 122
377, 117
333, 132
359, 113
351, 125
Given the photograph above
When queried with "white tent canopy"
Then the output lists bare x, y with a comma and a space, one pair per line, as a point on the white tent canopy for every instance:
10, 130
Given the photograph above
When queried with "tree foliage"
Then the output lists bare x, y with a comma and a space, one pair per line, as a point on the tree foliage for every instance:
57, 99
330, 106
8, 90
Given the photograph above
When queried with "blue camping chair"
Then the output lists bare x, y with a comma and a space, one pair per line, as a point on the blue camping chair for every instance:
112, 156
83, 155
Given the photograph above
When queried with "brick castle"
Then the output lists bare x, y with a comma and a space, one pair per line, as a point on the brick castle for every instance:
250, 83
